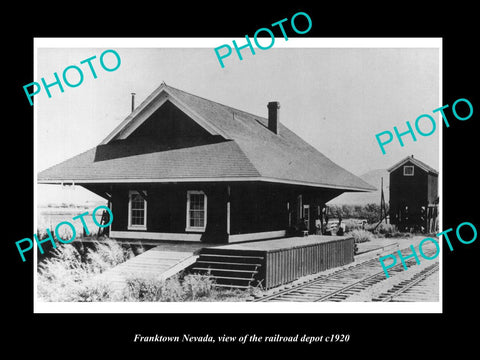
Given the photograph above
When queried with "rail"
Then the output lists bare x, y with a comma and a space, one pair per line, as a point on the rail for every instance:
338, 285
406, 285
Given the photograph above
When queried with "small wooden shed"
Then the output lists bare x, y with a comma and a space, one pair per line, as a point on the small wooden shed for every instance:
413, 195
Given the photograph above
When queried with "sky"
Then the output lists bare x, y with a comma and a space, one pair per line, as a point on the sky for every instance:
335, 98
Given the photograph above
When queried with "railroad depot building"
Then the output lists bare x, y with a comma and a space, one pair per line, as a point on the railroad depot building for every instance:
184, 168
413, 195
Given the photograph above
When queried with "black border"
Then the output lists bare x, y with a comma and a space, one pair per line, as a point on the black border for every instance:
374, 334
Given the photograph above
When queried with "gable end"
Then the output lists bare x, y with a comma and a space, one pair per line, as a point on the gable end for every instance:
145, 110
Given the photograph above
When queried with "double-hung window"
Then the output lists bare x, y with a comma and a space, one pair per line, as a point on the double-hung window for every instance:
137, 211
196, 211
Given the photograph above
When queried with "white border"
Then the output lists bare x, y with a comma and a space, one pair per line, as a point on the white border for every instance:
241, 307
238, 307
440, 174
293, 42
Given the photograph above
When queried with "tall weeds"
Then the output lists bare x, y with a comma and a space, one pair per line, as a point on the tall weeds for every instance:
70, 274
106, 255
67, 274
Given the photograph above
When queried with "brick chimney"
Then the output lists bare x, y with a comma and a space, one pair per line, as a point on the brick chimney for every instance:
274, 116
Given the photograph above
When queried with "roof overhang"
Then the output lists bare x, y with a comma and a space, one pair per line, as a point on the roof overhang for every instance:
219, 179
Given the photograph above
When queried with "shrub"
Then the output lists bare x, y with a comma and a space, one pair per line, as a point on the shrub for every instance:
397, 234
172, 290
197, 286
92, 291
361, 236
143, 288
66, 261
66, 274
149, 288
138, 249
107, 255
352, 224
385, 228
59, 276
57, 290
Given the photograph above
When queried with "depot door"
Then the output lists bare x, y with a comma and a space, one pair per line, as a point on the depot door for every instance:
306, 216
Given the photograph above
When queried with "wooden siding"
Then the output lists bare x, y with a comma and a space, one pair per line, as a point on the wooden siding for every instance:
255, 207
263, 207
173, 128
166, 208
410, 190
415, 192
286, 265
432, 188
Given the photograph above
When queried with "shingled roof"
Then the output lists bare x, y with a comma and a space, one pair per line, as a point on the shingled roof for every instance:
248, 151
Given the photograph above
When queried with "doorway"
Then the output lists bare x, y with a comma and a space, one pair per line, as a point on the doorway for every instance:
306, 216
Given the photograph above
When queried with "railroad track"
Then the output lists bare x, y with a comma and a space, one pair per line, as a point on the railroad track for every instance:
414, 289
341, 284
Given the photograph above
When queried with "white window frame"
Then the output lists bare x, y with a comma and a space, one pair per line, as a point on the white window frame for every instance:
187, 222
136, 226
405, 168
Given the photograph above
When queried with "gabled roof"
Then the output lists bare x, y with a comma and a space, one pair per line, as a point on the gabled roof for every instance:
248, 150
152, 103
416, 162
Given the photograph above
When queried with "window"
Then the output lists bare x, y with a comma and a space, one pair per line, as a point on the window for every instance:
196, 211
407, 170
137, 211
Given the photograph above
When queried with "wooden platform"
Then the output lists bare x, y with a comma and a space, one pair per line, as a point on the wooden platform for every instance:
275, 262
157, 262
269, 263
281, 244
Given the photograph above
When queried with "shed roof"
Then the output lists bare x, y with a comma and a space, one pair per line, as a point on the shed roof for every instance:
249, 151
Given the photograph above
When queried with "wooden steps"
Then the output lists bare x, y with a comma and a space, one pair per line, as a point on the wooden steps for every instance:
229, 269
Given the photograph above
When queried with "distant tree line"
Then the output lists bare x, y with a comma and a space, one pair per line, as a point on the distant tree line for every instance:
369, 212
